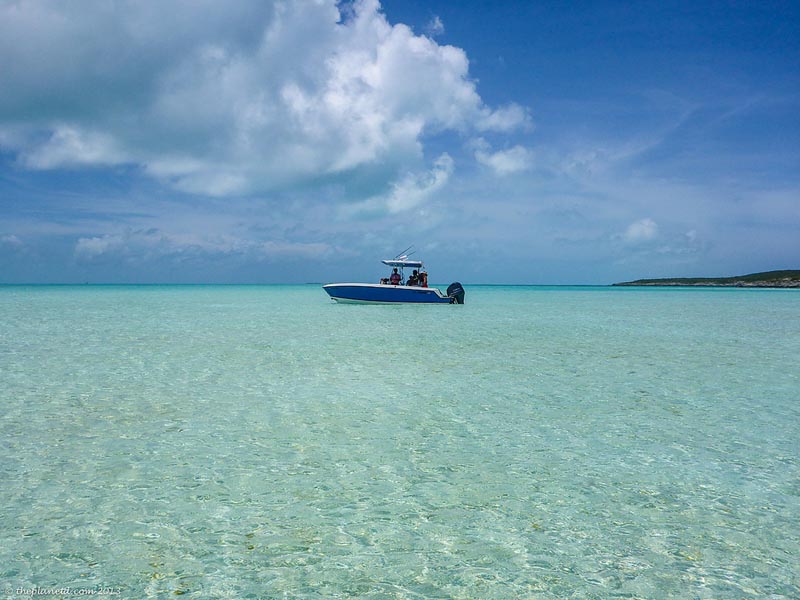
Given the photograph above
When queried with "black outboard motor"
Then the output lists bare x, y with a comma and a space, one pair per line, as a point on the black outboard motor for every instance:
456, 293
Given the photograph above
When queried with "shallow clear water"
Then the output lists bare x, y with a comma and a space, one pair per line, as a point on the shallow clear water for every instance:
264, 442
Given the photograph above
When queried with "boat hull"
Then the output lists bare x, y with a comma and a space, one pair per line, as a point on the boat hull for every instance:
377, 293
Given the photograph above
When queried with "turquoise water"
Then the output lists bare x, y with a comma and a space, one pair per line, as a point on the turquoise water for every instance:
264, 442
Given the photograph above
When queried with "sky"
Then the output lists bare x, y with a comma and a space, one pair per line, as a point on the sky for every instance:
253, 141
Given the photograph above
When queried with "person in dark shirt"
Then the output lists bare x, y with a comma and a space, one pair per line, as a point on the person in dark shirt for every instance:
414, 279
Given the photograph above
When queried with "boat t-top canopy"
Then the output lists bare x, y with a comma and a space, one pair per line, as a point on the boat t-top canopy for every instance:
403, 263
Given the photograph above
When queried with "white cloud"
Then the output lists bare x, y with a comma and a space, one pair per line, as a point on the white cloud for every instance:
504, 162
133, 245
435, 26
643, 230
11, 240
223, 100
139, 246
505, 119
278, 250
69, 146
410, 192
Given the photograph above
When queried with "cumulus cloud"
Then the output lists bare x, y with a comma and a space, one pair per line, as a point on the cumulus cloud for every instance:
503, 162
409, 192
69, 146
230, 98
504, 119
643, 230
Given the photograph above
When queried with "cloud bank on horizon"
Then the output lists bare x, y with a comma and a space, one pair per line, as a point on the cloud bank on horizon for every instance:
256, 141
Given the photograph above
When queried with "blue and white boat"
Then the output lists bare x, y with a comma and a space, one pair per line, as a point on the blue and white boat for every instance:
388, 292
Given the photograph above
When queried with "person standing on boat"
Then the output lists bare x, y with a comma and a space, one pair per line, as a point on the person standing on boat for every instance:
395, 278
423, 279
414, 279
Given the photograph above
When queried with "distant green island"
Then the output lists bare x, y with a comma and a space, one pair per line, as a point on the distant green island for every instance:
768, 279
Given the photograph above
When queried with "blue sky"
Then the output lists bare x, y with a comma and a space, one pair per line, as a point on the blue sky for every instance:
511, 142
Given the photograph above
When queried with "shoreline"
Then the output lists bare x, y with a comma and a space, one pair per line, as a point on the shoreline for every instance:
767, 279
792, 284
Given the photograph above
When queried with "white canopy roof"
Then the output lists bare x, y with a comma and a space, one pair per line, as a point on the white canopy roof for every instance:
402, 263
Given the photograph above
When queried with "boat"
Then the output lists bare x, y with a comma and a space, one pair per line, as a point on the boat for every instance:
395, 289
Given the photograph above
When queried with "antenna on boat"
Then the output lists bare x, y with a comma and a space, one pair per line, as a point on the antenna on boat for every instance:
402, 255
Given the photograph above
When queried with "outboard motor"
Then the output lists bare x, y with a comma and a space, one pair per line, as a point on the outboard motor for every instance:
456, 293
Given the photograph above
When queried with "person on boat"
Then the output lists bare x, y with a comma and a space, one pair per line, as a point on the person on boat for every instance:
414, 279
395, 278
423, 279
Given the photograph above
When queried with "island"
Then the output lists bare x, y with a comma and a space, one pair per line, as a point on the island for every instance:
768, 279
